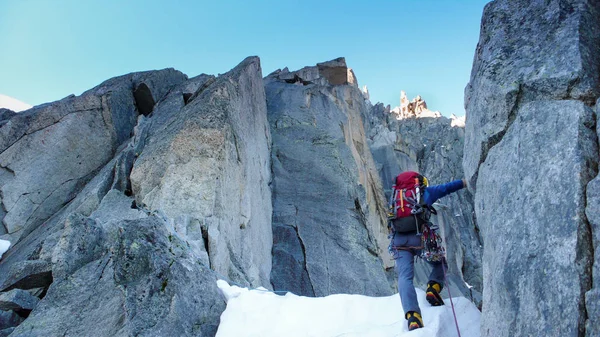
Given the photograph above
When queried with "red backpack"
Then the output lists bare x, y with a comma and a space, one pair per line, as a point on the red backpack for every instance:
406, 212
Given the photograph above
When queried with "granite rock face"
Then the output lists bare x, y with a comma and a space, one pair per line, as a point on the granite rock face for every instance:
531, 156
592, 211
527, 50
205, 166
48, 153
171, 192
328, 210
139, 279
17, 299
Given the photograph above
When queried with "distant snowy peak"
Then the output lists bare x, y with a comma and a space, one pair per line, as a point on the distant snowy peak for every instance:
13, 104
458, 121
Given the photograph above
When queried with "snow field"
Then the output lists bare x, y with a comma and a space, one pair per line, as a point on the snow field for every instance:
261, 313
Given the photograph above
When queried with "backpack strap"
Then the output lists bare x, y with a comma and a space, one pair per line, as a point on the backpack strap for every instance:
402, 200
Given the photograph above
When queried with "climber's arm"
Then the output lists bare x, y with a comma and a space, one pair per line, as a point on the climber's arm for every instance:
433, 193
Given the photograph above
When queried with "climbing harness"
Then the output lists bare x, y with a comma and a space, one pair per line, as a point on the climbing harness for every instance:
431, 248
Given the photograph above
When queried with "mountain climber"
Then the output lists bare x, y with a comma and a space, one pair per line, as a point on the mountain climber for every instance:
412, 235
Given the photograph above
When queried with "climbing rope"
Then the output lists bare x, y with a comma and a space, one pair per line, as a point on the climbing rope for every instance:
450, 295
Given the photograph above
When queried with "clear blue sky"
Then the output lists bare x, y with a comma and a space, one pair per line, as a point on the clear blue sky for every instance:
53, 48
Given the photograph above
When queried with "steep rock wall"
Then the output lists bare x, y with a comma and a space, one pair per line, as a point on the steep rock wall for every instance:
327, 208
531, 147
184, 200
205, 165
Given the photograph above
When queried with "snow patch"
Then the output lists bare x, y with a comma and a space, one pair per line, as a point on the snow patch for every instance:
4, 244
259, 312
458, 121
13, 104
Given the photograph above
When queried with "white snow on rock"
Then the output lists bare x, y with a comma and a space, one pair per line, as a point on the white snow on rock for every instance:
4, 247
13, 104
259, 312
457, 121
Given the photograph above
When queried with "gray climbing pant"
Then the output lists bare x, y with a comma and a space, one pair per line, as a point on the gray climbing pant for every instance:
405, 266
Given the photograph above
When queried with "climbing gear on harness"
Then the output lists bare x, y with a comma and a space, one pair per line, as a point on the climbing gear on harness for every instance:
407, 212
432, 294
433, 249
414, 320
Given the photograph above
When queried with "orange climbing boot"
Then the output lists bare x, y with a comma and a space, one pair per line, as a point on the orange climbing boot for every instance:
414, 320
433, 294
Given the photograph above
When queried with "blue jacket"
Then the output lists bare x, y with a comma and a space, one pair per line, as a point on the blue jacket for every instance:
433, 193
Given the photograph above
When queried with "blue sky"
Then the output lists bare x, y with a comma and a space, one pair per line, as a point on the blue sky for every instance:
50, 49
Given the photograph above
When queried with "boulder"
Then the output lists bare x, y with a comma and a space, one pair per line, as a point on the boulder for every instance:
6, 332
143, 281
336, 72
9, 319
27, 275
328, 210
38, 243
551, 245
527, 50
116, 206
81, 242
17, 300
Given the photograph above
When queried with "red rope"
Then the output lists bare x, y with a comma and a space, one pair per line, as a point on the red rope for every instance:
451, 303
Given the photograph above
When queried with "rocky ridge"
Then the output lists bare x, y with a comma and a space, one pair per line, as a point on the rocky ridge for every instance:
161, 184
126, 204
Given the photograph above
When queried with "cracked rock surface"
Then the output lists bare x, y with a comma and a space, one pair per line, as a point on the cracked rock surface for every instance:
136, 279
327, 201
531, 147
141, 178
48, 153
205, 166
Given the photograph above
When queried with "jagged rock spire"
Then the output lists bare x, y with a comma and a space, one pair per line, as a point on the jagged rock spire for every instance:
415, 108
